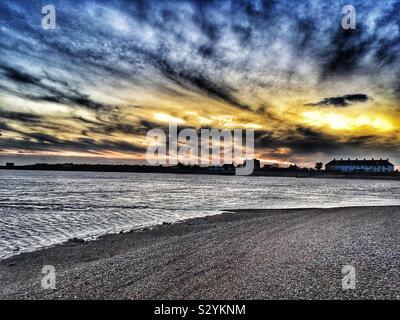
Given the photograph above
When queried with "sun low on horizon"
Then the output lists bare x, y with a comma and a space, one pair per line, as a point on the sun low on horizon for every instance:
90, 90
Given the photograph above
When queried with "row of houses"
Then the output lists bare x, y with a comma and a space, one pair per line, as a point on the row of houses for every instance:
357, 165
349, 165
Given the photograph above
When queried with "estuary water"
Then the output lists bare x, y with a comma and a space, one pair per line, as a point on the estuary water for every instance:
40, 209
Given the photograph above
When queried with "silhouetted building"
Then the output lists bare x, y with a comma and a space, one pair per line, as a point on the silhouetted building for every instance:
271, 166
360, 165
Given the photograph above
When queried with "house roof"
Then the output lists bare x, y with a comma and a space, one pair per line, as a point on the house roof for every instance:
357, 162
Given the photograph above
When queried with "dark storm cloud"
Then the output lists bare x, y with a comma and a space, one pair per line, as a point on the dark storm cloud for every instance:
128, 129
299, 140
342, 101
20, 116
346, 52
372, 48
60, 92
196, 45
306, 29
213, 89
343, 55
305, 140
19, 76
193, 79
387, 51
76, 98
44, 142
4, 126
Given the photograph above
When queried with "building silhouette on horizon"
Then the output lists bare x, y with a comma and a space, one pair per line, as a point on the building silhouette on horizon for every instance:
360, 165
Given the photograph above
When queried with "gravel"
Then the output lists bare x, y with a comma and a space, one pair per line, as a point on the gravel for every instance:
246, 254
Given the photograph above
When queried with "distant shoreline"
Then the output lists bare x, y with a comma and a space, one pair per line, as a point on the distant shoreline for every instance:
277, 172
244, 254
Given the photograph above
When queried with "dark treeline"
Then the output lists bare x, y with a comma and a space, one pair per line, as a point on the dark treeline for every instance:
227, 169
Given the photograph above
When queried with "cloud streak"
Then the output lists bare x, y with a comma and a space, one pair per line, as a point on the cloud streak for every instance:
343, 101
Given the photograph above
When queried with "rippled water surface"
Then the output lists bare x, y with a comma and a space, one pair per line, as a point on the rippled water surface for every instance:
39, 209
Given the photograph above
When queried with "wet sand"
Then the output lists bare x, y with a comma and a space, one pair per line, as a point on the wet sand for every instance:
248, 254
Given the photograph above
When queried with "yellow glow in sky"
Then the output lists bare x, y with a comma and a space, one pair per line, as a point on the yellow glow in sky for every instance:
336, 121
163, 117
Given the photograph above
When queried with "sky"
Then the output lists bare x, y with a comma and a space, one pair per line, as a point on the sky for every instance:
90, 90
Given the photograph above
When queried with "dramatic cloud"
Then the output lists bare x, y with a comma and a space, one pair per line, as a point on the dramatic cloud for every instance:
342, 101
111, 71
20, 116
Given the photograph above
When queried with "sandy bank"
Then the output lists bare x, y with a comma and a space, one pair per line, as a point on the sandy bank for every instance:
249, 254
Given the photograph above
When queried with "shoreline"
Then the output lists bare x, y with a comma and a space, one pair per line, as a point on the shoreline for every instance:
96, 237
223, 256
283, 173
89, 239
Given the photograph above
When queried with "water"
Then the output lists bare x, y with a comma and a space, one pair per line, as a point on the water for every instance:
39, 209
